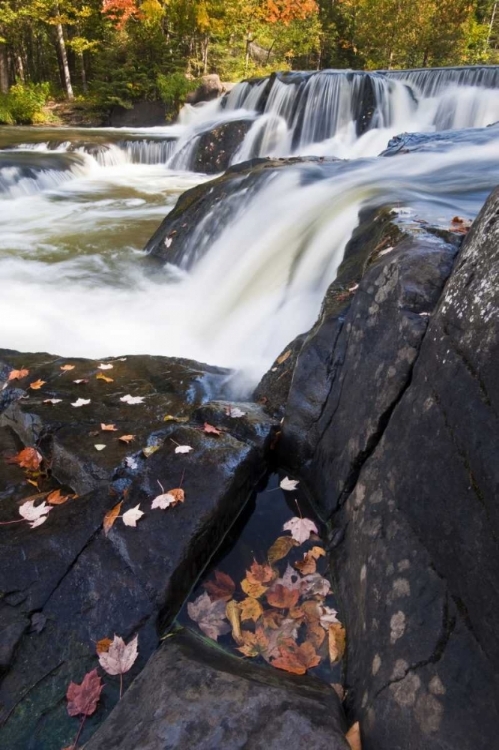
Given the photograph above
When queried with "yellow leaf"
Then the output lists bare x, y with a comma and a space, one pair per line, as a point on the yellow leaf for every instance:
37, 384
67, 368
181, 420
337, 642
127, 438
103, 377
233, 616
280, 548
250, 609
255, 590
353, 737
284, 357
149, 450
102, 646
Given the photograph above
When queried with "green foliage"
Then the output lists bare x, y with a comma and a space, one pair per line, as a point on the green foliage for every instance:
24, 103
173, 88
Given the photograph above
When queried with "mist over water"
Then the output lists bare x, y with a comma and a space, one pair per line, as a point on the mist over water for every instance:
77, 207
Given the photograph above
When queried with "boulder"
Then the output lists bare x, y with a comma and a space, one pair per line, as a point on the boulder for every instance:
65, 585
143, 114
211, 87
401, 453
193, 696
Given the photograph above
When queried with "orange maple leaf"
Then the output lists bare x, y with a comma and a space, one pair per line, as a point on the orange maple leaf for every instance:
296, 659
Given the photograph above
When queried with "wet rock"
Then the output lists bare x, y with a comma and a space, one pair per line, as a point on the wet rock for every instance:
84, 584
217, 146
194, 696
441, 141
142, 114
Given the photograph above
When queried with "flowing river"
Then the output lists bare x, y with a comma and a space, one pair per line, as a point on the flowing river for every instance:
78, 206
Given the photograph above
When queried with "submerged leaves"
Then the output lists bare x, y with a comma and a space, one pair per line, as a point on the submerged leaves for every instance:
210, 616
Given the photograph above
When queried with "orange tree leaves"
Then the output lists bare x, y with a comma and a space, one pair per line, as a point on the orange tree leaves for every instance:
18, 374
337, 642
260, 573
296, 659
83, 699
285, 11
222, 587
281, 597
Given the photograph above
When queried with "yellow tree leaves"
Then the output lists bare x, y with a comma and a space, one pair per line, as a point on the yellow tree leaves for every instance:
281, 547
250, 609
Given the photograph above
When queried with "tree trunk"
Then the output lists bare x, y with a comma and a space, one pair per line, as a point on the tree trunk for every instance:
4, 69
83, 73
66, 75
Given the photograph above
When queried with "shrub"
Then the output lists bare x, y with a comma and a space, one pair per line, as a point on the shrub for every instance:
173, 88
24, 103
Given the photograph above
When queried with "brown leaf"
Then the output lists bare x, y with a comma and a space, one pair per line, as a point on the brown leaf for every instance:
56, 498
101, 376
37, 384
255, 590
234, 617
111, 517
120, 656
353, 737
178, 494
17, 374
296, 659
254, 644
83, 699
210, 430
260, 573
281, 597
308, 565
127, 438
283, 357
250, 609
67, 368
315, 634
28, 458
280, 548
222, 587
102, 646
337, 642
210, 616
272, 619
108, 427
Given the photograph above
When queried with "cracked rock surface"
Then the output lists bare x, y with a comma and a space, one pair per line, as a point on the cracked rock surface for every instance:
402, 456
65, 585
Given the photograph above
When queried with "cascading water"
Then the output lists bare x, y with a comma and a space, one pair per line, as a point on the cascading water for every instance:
77, 208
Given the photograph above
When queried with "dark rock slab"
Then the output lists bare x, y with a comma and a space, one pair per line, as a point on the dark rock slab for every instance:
193, 696
142, 114
441, 141
65, 585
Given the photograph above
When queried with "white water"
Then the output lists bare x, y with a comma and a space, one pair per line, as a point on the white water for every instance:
71, 236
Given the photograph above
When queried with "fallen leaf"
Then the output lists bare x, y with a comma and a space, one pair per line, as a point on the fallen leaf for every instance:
280, 636
315, 634
308, 564
81, 402
260, 573
254, 644
38, 622
131, 462
81, 380
233, 615
170, 418
67, 368
99, 446
296, 659
127, 438
132, 399
28, 458
337, 642
280, 360
315, 585
300, 528
37, 384
235, 413
34, 514
353, 737
210, 430
164, 501
255, 590
133, 515
183, 449
290, 579
83, 699
328, 617
105, 367
52, 401
101, 376
111, 517
281, 547
120, 657
281, 597
56, 498
150, 449
108, 427
288, 484
102, 646
17, 374
178, 494
272, 619
250, 609
209, 616
222, 587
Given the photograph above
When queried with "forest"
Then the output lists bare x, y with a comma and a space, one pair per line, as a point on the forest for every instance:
107, 52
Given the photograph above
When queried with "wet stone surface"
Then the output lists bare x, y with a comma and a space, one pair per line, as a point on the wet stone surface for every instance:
65, 585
